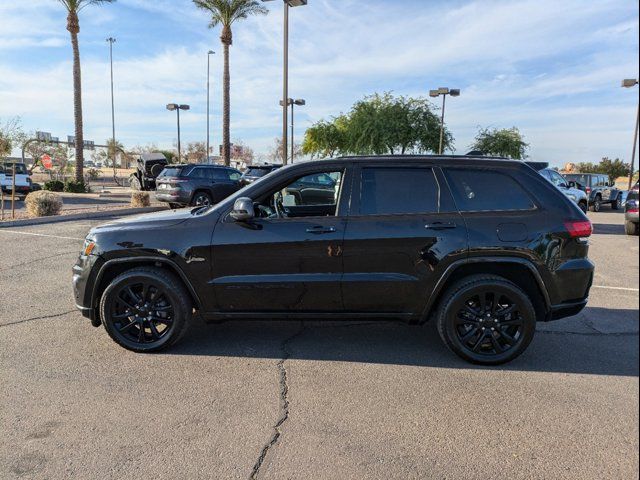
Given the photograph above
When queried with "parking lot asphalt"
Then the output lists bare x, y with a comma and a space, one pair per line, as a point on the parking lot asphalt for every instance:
306, 400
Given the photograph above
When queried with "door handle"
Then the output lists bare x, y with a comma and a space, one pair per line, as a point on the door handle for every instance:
440, 225
318, 229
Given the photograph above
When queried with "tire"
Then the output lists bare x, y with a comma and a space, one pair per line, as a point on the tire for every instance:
201, 199
472, 328
134, 183
146, 330
617, 203
631, 228
584, 206
597, 204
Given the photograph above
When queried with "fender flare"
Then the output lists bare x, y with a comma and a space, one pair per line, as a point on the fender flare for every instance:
483, 259
144, 259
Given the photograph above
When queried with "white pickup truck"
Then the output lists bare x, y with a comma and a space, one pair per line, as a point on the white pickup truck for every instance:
22, 182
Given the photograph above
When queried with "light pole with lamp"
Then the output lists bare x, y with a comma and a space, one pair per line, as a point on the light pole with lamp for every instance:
300, 102
285, 82
111, 41
174, 106
628, 83
444, 91
209, 53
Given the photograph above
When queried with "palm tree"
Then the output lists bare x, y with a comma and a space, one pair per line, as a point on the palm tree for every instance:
73, 25
225, 13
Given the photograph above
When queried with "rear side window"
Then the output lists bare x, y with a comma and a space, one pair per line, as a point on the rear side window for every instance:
387, 191
486, 190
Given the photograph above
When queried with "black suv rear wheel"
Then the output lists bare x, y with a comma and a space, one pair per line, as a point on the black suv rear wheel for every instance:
145, 309
486, 319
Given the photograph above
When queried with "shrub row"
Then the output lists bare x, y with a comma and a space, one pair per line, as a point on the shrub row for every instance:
70, 186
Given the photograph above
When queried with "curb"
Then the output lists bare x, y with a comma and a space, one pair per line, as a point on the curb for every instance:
79, 216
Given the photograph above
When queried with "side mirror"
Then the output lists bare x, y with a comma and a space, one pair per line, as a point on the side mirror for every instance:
572, 184
243, 209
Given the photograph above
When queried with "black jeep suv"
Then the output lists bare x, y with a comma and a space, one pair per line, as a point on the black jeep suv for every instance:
198, 185
483, 247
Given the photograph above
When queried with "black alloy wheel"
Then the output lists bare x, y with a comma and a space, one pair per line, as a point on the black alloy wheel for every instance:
486, 320
145, 309
201, 199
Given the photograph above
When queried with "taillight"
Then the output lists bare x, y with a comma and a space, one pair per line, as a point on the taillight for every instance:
588, 190
579, 229
176, 181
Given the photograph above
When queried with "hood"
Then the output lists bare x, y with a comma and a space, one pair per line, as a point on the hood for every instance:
146, 221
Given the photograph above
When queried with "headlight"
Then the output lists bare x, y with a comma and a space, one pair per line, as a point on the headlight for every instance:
89, 245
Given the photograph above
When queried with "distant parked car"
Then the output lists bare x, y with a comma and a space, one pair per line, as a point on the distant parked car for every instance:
196, 185
567, 187
631, 212
599, 189
22, 181
148, 167
255, 172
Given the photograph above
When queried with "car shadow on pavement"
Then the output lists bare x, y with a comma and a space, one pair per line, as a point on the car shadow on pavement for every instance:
388, 342
608, 229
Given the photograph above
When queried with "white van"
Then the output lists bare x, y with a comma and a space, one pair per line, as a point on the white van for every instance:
22, 181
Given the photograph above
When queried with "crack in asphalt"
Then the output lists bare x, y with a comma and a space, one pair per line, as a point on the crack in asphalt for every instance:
284, 403
44, 317
38, 260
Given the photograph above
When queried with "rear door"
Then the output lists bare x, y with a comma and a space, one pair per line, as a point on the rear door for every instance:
606, 189
402, 232
225, 181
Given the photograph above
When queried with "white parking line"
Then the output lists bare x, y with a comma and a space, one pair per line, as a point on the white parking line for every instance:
40, 235
617, 288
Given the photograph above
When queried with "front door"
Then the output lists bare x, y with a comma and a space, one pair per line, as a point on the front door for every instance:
289, 258
403, 230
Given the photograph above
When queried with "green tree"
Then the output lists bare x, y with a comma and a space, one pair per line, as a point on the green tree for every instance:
11, 136
506, 142
73, 26
379, 124
614, 168
225, 13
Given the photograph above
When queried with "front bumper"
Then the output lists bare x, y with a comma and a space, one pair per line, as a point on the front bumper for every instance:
84, 276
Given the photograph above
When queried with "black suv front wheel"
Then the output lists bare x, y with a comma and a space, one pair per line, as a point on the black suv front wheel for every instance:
486, 319
145, 309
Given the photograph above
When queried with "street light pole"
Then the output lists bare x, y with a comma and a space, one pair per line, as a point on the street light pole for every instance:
444, 91
174, 106
285, 74
628, 83
209, 53
298, 102
111, 41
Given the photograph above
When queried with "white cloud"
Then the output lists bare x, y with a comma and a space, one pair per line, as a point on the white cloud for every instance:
551, 68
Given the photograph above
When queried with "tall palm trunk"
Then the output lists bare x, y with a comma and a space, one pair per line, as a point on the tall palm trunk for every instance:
227, 40
74, 28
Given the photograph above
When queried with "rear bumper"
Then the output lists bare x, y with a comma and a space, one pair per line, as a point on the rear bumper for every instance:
569, 309
631, 217
180, 197
572, 283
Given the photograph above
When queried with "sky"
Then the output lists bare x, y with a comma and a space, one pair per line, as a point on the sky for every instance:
551, 68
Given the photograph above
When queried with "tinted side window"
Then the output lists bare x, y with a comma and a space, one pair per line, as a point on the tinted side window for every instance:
483, 190
198, 173
387, 191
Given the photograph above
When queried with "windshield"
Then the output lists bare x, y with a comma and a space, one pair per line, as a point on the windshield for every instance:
257, 172
581, 179
171, 172
7, 168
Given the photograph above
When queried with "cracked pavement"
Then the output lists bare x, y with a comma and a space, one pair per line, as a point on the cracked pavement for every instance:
273, 400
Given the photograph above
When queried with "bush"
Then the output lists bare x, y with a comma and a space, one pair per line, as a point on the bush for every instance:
43, 204
54, 186
73, 186
140, 199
